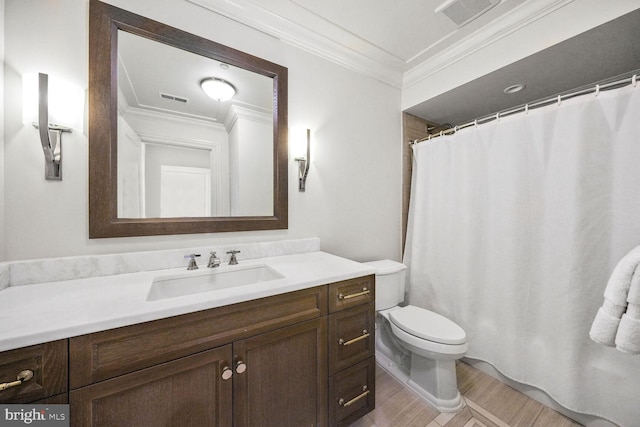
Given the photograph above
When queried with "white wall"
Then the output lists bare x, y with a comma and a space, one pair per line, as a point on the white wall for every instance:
2, 208
251, 178
353, 197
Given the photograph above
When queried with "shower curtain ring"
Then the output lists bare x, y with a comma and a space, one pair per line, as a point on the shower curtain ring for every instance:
597, 90
559, 100
634, 80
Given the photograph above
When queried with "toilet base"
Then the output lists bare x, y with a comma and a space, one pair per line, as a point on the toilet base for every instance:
443, 378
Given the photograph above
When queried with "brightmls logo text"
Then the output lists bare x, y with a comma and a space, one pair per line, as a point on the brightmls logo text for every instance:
26, 416
37, 415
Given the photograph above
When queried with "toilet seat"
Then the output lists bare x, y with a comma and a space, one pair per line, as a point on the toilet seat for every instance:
426, 348
427, 325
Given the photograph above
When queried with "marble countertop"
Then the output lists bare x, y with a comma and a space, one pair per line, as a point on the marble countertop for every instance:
37, 313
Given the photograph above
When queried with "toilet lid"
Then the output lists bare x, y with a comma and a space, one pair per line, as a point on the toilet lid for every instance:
428, 325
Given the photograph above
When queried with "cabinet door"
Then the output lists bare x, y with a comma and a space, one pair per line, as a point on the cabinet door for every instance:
285, 381
189, 391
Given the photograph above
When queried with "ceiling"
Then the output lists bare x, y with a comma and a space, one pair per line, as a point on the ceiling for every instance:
401, 42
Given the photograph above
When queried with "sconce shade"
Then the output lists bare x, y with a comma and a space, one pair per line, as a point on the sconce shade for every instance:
218, 89
52, 107
30, 95
300, 146
65, 102
298, 143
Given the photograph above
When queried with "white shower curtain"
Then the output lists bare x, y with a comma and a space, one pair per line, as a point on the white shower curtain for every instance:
514, 229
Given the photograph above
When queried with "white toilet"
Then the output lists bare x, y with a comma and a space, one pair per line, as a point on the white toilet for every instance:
417, 346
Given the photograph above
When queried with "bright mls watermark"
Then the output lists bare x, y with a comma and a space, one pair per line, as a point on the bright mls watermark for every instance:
35, 415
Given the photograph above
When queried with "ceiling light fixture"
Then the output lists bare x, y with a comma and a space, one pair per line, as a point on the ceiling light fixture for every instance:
514, 88
218, 89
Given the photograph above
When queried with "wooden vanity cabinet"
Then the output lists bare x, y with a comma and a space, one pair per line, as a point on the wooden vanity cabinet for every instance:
47, 362
304, 358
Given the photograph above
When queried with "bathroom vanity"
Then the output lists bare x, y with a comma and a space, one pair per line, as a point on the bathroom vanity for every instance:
304, 356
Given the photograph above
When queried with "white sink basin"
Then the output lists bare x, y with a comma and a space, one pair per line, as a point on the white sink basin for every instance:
198, 281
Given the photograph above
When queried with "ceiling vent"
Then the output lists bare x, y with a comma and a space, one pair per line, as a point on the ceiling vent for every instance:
461, 12
173, 98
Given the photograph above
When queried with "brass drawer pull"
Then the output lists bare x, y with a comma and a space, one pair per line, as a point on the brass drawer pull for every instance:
364, 335
23, 376
365, 392
342, 296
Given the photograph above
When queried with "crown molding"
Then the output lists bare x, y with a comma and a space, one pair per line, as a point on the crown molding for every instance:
172, 118
309, 33
235, 112
322, 38
508, 23
157, 139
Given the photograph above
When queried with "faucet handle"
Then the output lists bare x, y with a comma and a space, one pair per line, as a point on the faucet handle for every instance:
233, 260
214, 261
192, 261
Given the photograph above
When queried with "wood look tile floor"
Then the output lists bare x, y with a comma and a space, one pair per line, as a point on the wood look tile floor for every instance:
488, 403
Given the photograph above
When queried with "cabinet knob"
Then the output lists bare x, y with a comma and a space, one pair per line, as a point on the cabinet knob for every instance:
227, 373
22, 376
240, 367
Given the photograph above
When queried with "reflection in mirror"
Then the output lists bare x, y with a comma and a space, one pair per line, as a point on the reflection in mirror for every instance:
163, 157
182, 153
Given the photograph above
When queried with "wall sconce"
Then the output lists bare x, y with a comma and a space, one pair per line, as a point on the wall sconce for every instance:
42, 97
301, 152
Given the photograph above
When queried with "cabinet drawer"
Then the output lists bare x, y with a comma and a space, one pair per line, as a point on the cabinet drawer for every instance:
351, 336
48, 362
352, 393
107, 354
349, 293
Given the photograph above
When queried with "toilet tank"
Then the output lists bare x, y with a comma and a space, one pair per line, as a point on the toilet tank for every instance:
389, 283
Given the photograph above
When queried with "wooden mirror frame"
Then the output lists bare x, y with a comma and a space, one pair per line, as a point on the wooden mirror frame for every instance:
104, 22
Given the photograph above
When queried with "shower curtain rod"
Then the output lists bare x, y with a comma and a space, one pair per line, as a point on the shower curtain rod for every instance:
607, 84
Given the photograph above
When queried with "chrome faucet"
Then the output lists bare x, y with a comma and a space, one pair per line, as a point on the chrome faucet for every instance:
233, 260
214, 261
192, 261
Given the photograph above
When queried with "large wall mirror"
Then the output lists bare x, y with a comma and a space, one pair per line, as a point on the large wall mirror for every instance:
164, 156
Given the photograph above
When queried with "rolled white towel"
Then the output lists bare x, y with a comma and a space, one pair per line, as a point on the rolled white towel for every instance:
628, 335
607, 321
617, 289
605, 325
633, 296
